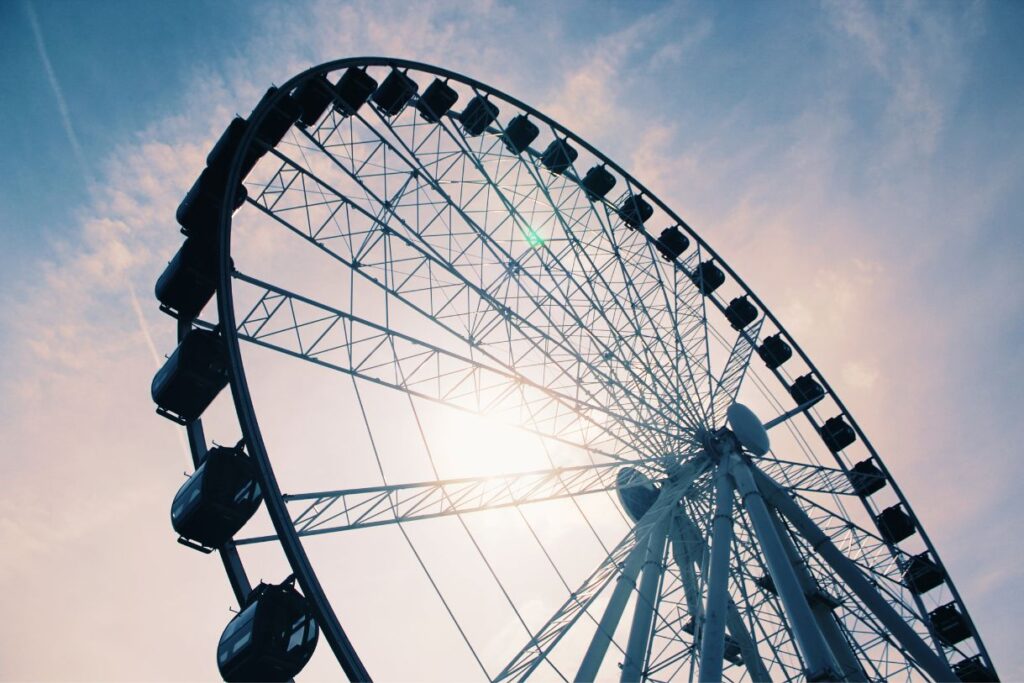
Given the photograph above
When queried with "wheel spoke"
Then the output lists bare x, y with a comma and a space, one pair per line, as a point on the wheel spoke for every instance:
326, 512
316, 332
729, 382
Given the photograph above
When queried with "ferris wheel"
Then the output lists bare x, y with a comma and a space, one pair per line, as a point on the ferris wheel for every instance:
435, 305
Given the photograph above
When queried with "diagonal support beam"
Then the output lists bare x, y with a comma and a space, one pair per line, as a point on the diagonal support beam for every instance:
634, 665
816, 653
932, 663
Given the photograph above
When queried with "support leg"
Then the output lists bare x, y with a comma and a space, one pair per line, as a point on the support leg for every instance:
851, 669
817, 656
712, 641
644, 612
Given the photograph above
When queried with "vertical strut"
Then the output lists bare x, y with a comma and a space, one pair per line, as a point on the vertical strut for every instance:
712, 641
817, 656
687, 547
644, 612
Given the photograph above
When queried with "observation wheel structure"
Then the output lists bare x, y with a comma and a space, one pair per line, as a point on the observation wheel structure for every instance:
383, 246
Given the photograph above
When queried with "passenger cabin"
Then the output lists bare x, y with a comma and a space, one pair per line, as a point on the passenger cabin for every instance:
894, 524
223, 152
394, 93
949, 624
597, 183
519, 133
672, 243
740, 312
774, 351
189, 280
192, 377
217, 500
836, 434
974, 670
634, 211
479, 113
271, 639
353, 90
313, 97
866, 479
921, 574
436, 100
281, 116
199, 212
804, 389
708, 277
559, 156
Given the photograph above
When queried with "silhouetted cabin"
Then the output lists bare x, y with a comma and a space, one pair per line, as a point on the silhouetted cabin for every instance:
189, 280
353, 89
313, 96
218, 499
774, 351
974, 670
519, 133
866, 479
559, 156
836, 434
708, 277
597, 182
223, 153
740, 312
394, 93
672, 243
805, 389
634, 211
271, 639
766, 582
479, 113
894, 524
278, 119
921, 574
199, 212
950, 625
192, 377
436, 100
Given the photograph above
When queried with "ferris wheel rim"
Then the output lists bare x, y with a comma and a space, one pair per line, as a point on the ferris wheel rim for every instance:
243, 401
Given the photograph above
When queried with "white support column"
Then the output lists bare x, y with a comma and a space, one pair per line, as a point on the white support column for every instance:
612, 614
712, 640
689, 548
851, 669
932, 663
816, 654
644, 612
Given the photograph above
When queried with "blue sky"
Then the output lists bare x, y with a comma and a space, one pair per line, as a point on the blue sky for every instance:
859, 165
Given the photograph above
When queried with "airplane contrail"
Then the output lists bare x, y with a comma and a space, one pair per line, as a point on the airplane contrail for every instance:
62, 105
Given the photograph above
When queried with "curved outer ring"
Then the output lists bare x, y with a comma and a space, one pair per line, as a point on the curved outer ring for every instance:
297, 558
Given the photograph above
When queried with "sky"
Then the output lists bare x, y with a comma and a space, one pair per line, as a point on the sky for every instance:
857, 163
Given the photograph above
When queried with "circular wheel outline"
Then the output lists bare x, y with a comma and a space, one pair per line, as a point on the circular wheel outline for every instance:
291, 544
